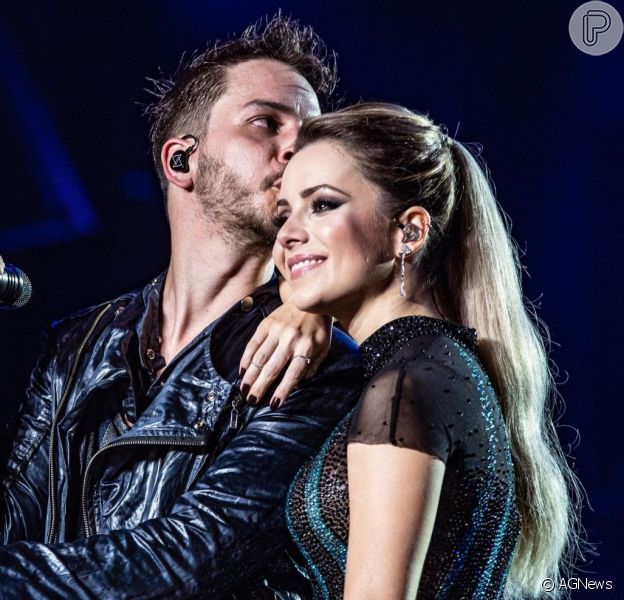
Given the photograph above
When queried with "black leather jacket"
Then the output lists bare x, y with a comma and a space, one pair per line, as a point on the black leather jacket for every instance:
185, 503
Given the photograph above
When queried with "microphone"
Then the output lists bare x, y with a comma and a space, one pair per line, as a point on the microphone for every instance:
15, 288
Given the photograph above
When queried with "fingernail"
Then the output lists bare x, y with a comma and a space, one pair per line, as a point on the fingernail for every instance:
275, 403
242, 372
245, 390
252, 400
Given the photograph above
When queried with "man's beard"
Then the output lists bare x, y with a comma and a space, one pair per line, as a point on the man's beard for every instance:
229, 205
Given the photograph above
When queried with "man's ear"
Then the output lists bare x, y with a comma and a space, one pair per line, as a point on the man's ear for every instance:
178, 162
412, 230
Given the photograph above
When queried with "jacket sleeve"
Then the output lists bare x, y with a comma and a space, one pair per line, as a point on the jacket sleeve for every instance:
217, 534
24, 457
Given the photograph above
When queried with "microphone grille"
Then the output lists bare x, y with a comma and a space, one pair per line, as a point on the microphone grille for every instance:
26, 292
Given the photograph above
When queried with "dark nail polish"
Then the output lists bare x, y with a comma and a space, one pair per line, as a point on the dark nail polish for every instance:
252, 400
245, 390
275, 403
242, 372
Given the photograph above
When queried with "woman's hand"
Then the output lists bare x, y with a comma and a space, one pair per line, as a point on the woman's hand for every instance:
288, 338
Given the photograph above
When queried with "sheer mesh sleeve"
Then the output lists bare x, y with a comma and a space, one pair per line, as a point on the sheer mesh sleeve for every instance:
412, 406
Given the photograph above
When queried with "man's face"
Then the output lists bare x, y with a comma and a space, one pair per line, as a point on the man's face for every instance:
251, 132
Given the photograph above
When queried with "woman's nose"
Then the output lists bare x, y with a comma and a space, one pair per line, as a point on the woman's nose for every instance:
291, 233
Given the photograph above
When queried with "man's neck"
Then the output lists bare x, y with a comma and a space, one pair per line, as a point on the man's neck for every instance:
205, 277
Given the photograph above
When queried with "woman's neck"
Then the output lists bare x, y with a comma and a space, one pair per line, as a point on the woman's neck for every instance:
372, 313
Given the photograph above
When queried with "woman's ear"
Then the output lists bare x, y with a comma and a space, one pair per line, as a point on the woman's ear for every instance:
413, 228
177, 161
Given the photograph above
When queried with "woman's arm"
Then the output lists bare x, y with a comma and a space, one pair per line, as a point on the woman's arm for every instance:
393, 500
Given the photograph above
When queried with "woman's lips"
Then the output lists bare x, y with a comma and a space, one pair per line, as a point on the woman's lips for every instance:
303, 263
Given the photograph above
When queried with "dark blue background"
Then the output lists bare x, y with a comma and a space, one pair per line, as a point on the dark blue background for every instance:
81, 211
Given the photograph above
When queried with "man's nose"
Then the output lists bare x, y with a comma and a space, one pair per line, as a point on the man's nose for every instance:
286, 151
287, 144
286, 154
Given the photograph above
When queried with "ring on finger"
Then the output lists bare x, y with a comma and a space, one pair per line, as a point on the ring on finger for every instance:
307, 359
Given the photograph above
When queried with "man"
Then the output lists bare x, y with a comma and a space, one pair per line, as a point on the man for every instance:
137, 469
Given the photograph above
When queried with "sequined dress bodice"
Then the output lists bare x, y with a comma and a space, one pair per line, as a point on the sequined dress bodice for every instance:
427, 391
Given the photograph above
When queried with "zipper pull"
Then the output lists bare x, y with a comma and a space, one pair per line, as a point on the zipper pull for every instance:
234, 418
237, 403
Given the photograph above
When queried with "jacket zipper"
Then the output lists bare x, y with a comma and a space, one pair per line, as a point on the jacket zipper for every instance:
132, 442
236, 404
52, 470
64, 396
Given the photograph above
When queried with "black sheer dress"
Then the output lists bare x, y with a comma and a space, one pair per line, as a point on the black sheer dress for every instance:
427, 391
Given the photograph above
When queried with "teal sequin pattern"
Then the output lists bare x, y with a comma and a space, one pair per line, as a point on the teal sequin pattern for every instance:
488, 495
441, 402
322, 539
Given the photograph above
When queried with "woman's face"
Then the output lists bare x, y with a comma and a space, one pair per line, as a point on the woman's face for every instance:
334, 247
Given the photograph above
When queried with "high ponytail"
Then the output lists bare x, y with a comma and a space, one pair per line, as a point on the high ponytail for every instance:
471, 266
482, 278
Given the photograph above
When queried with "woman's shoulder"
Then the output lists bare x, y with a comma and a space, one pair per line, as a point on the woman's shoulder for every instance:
435, 362
416, 399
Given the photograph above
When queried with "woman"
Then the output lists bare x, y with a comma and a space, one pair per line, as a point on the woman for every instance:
447, 479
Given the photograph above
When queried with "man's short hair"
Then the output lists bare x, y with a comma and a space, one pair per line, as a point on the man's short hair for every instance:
183, 101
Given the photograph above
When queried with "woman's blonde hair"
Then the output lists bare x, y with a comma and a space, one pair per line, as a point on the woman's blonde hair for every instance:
471, 265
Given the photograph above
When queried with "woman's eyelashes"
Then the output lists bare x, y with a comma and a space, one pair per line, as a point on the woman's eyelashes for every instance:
322, 204
318, 205
281, 218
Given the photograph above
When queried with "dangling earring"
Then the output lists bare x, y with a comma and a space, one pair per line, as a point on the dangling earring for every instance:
404, 251
411, 233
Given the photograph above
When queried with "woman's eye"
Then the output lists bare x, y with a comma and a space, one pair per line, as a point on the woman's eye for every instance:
280, 219
324, 204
